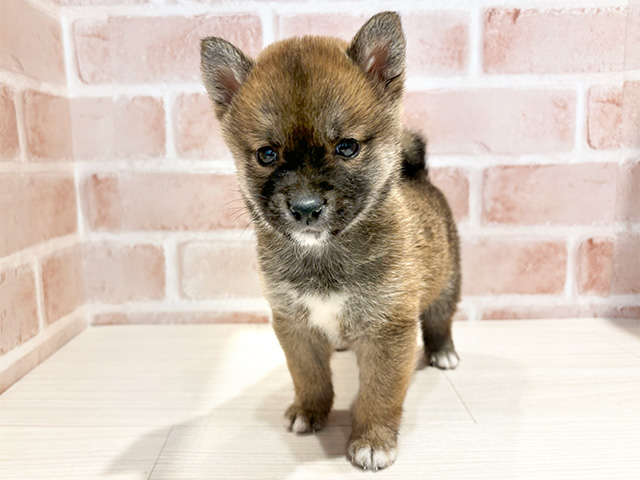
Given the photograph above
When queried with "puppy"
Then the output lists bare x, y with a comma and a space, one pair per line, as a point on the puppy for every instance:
356, 247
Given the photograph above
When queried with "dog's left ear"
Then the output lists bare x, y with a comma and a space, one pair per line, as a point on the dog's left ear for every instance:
224, 69
379, 50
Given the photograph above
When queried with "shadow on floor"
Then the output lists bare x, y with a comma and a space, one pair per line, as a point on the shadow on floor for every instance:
630, 326
332, 440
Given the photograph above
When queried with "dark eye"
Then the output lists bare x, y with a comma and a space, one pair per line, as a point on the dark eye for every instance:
266, 155
347, 148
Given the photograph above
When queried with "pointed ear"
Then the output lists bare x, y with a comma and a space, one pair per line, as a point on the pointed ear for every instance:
224, 68
379, 50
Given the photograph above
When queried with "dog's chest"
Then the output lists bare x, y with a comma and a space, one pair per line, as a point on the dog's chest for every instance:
325, 312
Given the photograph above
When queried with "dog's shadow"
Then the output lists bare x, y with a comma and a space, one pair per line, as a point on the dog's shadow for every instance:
225, 438
219, 439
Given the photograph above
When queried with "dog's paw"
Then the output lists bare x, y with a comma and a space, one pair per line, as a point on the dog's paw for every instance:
369, 457
444, 359
299, 420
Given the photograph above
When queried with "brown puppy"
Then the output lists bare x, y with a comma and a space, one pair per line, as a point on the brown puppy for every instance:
356, 247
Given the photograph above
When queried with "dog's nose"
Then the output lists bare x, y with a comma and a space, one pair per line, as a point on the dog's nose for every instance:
307, 209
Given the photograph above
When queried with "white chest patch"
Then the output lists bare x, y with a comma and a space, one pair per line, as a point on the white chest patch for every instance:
325, 313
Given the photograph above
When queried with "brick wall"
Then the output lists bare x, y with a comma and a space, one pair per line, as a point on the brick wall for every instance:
532, 115
41, 267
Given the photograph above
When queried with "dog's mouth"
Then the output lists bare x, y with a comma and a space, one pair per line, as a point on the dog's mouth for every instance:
304, 229
310, 237
316, 232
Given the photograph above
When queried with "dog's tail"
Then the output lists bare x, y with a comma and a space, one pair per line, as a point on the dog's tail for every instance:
414, 155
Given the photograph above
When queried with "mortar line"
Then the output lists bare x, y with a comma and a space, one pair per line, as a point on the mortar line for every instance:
476, 41
40, 308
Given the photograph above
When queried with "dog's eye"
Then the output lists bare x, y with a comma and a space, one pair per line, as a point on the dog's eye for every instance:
347, 148
266, 155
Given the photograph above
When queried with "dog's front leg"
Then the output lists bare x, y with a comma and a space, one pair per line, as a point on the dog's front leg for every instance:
308, 355
387, 361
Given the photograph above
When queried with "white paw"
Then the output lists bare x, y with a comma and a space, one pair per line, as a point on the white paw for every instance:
300, 424
298, 420
374, 458
446, 360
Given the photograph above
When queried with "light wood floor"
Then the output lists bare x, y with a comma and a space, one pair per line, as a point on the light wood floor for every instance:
531, 399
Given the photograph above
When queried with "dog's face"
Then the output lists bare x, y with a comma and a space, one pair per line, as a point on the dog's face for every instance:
313, 124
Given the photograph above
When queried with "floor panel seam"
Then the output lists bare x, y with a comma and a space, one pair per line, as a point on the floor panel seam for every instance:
164, 444
460, 398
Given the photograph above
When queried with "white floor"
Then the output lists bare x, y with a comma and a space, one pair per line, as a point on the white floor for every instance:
531, 399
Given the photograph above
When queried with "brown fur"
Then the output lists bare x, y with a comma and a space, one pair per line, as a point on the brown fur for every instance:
392, 248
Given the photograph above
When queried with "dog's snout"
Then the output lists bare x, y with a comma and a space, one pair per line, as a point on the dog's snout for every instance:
307, 209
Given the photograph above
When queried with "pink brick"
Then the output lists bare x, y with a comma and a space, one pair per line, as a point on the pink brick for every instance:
550, 194
609, 265
631, 115
196, 130
496, 121
632, 52
124, 128
341, 25
31, 42
554, 41
614, 116
94, 135
519, 312
35, 208
605, 117
628, 193
93, 50
529, 312
455, 186
18, 311
461, 315
595, 265
437, 43
9, 144
218, 270
626, 261
163, 201
155, 49
120, 273
513, 266
181, 317
139, 127
101, 3
62, 283
48, 125
624, 311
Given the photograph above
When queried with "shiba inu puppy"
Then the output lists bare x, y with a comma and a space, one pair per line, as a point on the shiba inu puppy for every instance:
357, 249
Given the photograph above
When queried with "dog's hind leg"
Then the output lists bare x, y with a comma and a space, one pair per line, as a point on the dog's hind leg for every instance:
436, 328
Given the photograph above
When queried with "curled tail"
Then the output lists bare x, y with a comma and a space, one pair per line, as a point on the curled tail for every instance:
414, 155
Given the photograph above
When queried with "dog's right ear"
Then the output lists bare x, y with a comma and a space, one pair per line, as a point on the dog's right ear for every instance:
224, 68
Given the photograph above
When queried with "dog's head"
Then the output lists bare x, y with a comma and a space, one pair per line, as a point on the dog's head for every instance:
313, 124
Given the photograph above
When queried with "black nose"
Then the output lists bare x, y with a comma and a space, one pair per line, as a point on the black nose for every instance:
307, 209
